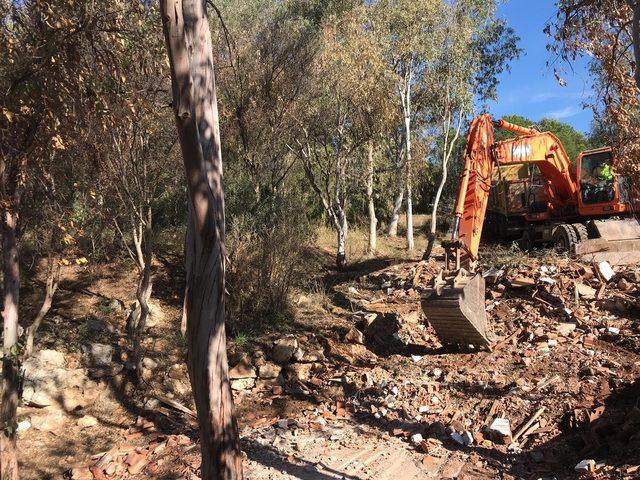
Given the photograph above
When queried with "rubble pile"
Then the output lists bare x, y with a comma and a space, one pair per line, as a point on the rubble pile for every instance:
556, 396
559, 386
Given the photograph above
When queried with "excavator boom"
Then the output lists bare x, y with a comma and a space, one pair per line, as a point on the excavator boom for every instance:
481, 157
455, 304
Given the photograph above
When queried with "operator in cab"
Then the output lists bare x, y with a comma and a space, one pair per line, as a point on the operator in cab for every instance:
598, 184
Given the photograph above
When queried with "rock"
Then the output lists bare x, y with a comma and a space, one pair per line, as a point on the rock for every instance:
99, 326
258, 357
381, 331
136, 462
413, 317
565, 329
633, 276
238, 357
501, 430
243, 369
149, 363
585, 466
613, 330
81, 473
606, 271
354, 336
417, 438
284, 349
456, 437
156, 315
151, 403
311, 357
298, 355
493, 275
624, 285
73, 399
116, 305
522, 282
47, 383
108, 371
243, 384
99, 354
178, 387
87, 421
283, 423
177, 371
368, 319
299, 371
49, 420
467, 438
585, 291
269, 370
51, 358
23, 426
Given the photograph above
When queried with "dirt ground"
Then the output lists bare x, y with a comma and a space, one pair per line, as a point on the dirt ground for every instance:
381, 398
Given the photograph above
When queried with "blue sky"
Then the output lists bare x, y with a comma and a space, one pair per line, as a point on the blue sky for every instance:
530, 89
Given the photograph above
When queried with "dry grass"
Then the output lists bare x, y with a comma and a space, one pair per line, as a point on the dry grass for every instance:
511, 256
393, 248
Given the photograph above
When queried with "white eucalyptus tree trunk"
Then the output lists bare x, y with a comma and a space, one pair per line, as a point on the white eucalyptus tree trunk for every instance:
405, 94
373, 221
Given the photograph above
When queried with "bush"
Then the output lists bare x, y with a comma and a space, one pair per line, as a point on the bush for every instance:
265, 262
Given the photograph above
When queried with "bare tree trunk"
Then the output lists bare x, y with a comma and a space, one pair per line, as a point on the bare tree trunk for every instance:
434, 214
10, 367
397, 205
342, 228
409, 213
143, 293
53, 278
373, 221
188, 38
406, 107
449, 144
183, 320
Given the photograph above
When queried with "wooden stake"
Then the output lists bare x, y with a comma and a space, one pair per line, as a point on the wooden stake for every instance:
528, 423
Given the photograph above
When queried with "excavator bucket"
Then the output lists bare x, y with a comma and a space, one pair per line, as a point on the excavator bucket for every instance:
454, 306
616, 241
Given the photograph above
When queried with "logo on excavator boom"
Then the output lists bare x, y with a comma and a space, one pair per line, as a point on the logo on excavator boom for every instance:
521, 151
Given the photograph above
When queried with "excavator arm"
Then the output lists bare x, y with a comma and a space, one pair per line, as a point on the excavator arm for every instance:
481, 157
455, 304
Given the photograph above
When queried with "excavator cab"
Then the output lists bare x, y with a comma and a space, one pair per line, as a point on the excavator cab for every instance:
596, 179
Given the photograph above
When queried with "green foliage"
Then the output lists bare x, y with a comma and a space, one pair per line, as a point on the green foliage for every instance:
304, 87
573, 141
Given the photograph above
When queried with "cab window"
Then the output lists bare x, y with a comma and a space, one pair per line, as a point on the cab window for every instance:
596, 178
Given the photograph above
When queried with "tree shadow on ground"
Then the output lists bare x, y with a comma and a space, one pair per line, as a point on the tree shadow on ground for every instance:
294, 466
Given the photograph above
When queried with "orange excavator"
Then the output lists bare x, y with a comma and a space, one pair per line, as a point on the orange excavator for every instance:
585, 210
